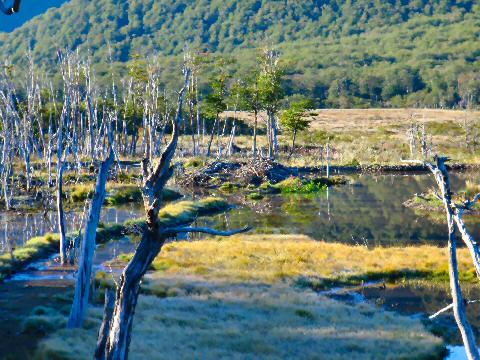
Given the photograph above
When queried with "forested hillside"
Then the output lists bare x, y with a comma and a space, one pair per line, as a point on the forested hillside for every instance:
341, 53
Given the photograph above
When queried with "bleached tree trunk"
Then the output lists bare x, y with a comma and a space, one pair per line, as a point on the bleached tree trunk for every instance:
84, 274
255, 126
154, 236
128, 289
209, 147
61, 214
443, 182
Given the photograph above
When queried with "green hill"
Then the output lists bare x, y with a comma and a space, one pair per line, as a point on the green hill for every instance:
343, 53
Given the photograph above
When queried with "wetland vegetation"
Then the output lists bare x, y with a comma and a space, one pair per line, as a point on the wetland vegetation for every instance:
198, 206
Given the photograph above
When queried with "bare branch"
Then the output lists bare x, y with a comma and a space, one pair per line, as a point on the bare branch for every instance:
206, 231
441, 311
449, 307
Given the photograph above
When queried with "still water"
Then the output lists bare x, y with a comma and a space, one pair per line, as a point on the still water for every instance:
368, 212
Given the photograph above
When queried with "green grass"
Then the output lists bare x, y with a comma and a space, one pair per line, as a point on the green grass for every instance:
34, 249
117, 194
255, 196
229, 187
295, 185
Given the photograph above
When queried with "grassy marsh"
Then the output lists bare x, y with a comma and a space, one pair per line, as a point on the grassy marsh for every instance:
272, 258
255, 322
229, 298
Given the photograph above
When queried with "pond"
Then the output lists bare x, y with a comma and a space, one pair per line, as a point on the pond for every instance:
368, 212
17, 228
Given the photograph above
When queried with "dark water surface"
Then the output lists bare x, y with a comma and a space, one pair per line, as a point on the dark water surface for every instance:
368, 212
17, 228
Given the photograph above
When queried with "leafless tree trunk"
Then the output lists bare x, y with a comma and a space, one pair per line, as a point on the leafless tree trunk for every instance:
105, 328
443, 182
152, 241
255, 126
82, 285
209, 147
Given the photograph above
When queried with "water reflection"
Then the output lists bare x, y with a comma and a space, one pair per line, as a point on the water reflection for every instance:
369, 212
16, 229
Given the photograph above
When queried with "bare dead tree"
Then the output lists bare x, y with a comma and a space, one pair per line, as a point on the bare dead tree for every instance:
118, 328
84, 274
454, 214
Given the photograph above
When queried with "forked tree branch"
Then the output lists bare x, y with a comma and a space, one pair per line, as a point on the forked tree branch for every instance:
205, 230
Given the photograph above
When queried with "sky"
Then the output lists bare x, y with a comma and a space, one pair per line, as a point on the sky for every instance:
29, 9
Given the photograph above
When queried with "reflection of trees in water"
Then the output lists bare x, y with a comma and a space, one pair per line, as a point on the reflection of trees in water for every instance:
19, 228
370, 211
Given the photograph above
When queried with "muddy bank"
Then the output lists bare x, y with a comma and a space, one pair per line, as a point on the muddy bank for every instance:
17, 299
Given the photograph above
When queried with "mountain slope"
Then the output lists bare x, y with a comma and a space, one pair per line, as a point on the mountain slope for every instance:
139, 25
342, 52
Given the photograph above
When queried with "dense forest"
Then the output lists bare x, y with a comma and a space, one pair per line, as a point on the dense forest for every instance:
340, 53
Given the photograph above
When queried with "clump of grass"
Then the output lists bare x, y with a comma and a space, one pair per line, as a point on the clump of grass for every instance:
106, 232
471, 189
295, 185
194, 163
43, 320
255, 196
268, 188
353, 163
229, 187
127, 177
34, 249
123, 194
185, 212
81, 192
117, 194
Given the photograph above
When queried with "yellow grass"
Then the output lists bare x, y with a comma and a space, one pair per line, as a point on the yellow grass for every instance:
270, 258
376, 135
227, 299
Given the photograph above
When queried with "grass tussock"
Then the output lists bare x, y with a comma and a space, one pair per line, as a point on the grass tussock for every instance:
295, 185
185, 212
34, 249
254, 322
117, 194
273, 258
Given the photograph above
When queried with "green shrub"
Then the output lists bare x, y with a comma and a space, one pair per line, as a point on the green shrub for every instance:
255, 196
229, 187
295, 185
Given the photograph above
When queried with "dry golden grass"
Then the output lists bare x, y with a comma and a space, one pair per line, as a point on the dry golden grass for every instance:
270, 258
368, 120
376, 136
228, 298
